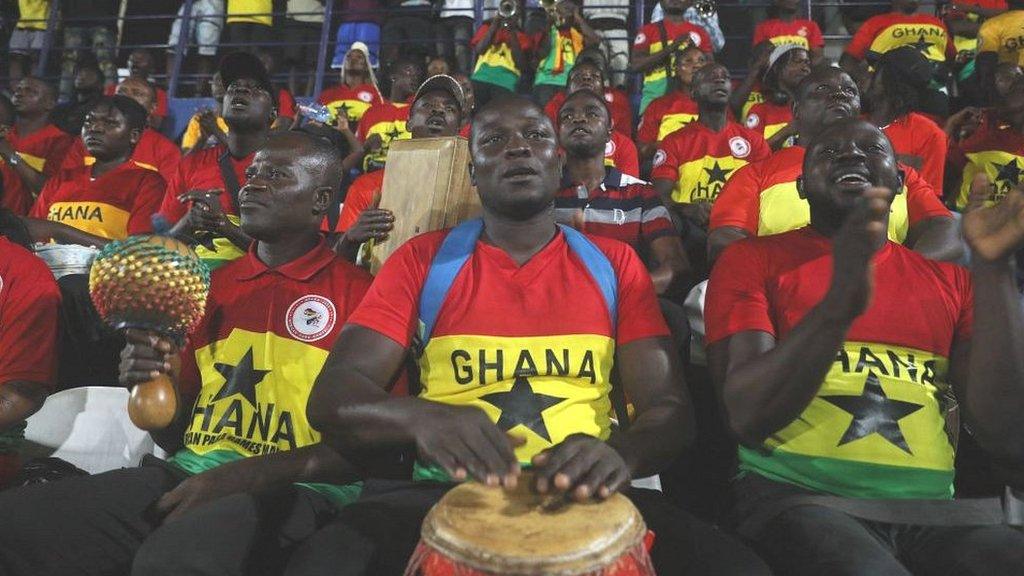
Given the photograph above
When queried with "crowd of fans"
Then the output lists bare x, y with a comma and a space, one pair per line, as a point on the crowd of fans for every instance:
806, 273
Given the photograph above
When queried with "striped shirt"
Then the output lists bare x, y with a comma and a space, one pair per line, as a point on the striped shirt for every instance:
623, 207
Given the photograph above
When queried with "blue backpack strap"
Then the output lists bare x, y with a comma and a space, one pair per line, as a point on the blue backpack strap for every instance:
455, 250
600, 269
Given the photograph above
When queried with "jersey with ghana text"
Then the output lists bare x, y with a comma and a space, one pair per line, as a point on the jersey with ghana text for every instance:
876, 427
531, 345
889, 31
1004, 35
801, 32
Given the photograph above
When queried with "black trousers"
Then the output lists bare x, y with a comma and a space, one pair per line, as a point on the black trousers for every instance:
816, 540
377, 534
104, 525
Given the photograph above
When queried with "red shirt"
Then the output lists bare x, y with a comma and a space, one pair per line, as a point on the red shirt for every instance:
665, 115
29, 302
699, 161
994, 149
350, 102
252, 361
388, 120
618, 105
916, 135
768, 118
888, 31
43, 149
14, 196
285, 104
200, 170
649, 40
115, 205
154, 150
359, 197
623, 207
799, 31
504, 331
762, 199
621, 153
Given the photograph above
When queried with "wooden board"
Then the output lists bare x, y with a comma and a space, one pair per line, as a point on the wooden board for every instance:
427, 187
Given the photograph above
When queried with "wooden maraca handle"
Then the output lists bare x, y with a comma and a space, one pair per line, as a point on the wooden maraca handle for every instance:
153, 405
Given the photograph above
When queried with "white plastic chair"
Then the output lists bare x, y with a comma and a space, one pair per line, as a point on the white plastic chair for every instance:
88, 427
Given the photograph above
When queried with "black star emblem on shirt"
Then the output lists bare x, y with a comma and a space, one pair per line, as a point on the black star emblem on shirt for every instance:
874, 412
923, 45
341, 111
521, 405
717, 174
1009, 172
393, 133
241, 378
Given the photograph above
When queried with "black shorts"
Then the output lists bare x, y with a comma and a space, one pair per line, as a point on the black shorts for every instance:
303, 38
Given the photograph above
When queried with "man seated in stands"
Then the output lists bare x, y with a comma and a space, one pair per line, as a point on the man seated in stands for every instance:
676, 108
437, 110
839, 355
604, 201
113, 196
527, 286
386, 121
762, 198
141, 67
34, 147
153, 150
29, 302
227, 497
202, 197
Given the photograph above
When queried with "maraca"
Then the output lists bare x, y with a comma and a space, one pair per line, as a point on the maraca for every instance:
153, 283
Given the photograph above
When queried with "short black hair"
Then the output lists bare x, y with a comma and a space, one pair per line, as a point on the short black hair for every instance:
324, 148
134, 114
580, 63
817, 72
520, 101
589, 93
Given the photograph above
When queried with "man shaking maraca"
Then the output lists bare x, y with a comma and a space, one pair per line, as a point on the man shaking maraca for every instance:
240, 439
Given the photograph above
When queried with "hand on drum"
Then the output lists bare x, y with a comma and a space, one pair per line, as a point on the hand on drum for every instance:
582, 467
465, 443
373, 223
145, 357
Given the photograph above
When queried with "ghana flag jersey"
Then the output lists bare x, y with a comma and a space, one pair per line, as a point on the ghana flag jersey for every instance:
700, 161
252, 361
555, 67
919, 136
496, 65
998, 151
531, 345
800, 32
622, 207
201, 170
876, 428
350, 102
154, 150
387, 120
115, 205
654, 38
768, 118
665, 115
889, 31
359, 197
1004, 35
621, 153
761, 199
43, 149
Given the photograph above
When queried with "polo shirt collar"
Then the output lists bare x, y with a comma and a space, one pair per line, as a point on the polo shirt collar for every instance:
301, 269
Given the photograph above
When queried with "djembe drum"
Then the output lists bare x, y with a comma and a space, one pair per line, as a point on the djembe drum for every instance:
476, 530
153, 283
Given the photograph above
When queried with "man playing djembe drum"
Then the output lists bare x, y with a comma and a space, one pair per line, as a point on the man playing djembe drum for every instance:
516, 370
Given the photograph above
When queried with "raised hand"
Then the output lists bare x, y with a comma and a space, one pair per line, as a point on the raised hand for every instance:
582, 467
853, 247
993, 232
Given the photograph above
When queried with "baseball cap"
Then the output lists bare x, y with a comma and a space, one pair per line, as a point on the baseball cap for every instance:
444, 83
245, 66
908, 63
778, 52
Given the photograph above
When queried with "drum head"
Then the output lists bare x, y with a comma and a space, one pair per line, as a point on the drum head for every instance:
520, 532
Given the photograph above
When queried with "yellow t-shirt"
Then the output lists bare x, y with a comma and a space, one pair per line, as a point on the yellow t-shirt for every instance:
33, 14
1004, 35
251, 11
